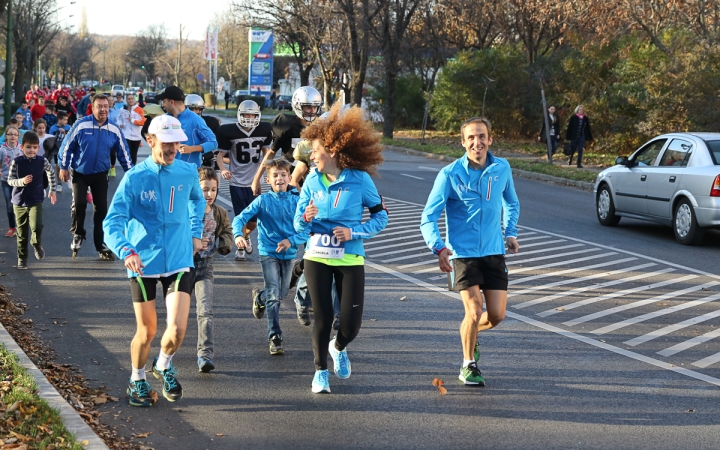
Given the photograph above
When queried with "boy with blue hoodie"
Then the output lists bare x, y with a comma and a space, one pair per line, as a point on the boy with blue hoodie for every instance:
278, 243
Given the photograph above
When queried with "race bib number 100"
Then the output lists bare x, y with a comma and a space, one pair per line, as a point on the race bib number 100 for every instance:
326, 246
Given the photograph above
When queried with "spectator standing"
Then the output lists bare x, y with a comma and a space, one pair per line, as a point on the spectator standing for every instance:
578, 131
554, 122
227, 99
141, 98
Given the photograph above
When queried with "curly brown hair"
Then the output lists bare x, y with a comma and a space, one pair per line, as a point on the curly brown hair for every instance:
346, 134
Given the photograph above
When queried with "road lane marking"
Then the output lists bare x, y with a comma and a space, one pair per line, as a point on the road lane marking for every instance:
554, 256
690, 343
707, 361
411, 176
429, 168
536, 244
672, 328
560, 263
571, 270
421, 263
432, 269
397, 242
545, 250
401, 258
395, 252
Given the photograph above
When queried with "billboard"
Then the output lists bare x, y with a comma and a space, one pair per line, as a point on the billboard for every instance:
260, 68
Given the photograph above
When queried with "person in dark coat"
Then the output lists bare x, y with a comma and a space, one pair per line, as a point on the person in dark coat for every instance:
554, 122
578, 131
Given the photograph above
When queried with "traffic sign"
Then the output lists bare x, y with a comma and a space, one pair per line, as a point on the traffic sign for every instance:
200, 77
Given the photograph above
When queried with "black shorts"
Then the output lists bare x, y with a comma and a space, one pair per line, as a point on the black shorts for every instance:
241, 198
143, 289
488, 272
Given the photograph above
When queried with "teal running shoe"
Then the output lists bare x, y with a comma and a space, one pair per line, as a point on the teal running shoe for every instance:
341, 360
140, 394
172, 390
321, 382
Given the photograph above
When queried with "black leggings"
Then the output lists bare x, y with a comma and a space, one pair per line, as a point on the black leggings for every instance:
350, 283
134, 146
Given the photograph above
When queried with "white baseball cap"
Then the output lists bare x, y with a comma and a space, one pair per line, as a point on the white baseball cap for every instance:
167, 129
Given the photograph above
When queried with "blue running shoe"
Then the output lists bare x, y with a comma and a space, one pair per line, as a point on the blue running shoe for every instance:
321, 382
172, 390
205, 364
140, 394
341, 360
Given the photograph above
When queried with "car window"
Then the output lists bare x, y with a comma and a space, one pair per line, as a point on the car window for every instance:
714, 147
648, 154
676, 154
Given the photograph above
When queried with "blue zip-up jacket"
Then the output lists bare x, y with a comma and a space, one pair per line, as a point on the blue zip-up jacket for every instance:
198, 133
27, 117
86, 148
155, 213
275, 212
342, 205
473, 203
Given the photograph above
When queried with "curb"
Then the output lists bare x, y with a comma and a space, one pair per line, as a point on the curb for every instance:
71, 419
583, 185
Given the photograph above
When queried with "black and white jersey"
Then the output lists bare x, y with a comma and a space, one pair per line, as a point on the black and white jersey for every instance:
286, 129
244, 149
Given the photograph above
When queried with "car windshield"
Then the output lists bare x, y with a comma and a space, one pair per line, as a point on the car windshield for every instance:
714, 147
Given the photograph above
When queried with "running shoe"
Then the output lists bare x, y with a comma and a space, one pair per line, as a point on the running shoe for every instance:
303, 315
248, 246
476, 354
336, 322
172, 390
470, 375
112, 171
39, 251
11, 232
258, 308
140, 393
89, 198
321, 382
239, 255
341, 360
106, 254
58, 188
205, 364
22, 264
276, 345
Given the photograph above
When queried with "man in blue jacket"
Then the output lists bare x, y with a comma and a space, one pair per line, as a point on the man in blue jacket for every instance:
200, 138
472, 191
86, 153
155, 226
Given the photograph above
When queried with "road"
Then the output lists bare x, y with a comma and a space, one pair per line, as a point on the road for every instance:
585, 358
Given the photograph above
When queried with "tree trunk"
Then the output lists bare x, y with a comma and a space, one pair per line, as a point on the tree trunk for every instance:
389, 103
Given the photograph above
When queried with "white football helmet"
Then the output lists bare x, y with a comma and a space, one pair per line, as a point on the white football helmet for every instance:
248, 107
194, 101
307, 95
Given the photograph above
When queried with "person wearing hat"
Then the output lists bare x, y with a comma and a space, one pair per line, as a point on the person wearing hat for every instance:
200, 138
155, 226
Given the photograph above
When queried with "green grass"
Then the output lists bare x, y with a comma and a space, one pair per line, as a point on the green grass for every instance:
556, 171
40, 423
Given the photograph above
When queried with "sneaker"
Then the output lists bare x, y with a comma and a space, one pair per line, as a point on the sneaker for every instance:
205, 364
22, 264
106, 254
239, 255
341, 360
258, 308
140, 393
248, 246
58, 188
336, 322
276, 345
476, 354
303, 315
89, 198
11, 232
172, 390
39, 251
470, 375
112, 171
321, 382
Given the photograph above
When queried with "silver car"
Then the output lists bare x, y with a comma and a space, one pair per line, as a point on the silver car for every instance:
674, 179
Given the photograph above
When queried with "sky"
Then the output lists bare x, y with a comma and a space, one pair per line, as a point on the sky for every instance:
129, 17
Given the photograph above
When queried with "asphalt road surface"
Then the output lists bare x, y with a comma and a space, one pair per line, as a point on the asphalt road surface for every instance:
610, 340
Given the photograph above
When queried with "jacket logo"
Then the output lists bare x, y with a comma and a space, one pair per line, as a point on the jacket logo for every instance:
147, 196
463, 188
496, 178
319, 195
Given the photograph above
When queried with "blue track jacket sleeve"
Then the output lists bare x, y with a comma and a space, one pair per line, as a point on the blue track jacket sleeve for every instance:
513, 208
196, 208
299, 222
299, 238
69, 147
123, 153
117, 217
208, 142
433, 209
379, 220
242, 219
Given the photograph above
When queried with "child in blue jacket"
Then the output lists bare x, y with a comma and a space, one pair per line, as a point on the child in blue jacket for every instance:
278, 243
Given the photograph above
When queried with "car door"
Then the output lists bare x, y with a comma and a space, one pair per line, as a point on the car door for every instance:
630, 184
664, 178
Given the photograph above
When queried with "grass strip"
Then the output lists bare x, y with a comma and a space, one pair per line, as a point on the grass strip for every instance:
26, 418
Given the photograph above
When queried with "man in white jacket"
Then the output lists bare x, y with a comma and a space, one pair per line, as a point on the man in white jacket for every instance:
131, 120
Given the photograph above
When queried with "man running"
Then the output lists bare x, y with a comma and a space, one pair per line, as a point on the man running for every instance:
471, 190
246, 143
86, 152
155, 225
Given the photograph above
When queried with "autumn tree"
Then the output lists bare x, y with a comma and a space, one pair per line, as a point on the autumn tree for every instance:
233, 46
149, 48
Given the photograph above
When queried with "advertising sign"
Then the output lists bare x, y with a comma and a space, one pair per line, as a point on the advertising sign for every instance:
260, 62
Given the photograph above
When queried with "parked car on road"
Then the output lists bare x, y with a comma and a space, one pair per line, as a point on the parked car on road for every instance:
239, 93
674, 180
150, 97
284, 102
117, 89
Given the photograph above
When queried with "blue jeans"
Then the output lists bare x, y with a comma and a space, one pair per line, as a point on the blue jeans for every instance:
7, 192
203, 286
276, 274
302, 295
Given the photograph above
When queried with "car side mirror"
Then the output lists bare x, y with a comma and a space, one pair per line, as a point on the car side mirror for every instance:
621, 161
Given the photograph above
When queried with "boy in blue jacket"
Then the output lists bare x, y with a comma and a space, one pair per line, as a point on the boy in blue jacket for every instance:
155, 226
278, 243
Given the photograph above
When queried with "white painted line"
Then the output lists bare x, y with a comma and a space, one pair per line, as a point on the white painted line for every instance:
421, 263
431, 269
654, 314
637, 304
560, 263
690, 343
589, 301
571, 270
402, 258
544, 250
533, 238
708, 361
411, 176
404, 214
672, 328
558, 255
439, 277
224, 201
430, 168
405, 250
392, 227
397, 243
416, 221
557, 241
556, 330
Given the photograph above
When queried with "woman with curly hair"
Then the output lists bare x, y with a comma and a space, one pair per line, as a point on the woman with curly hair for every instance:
346, 150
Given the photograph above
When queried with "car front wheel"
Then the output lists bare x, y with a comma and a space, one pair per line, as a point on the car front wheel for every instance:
685, 226
606, 207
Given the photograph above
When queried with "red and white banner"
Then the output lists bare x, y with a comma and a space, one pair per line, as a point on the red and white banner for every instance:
206, 47
210, 49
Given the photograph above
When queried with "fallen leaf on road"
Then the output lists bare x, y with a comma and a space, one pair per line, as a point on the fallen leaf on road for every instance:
219, 434
100, 400
438, 383
85, 442
142, 435
153, 396
560, 309
705, 289
402, 299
